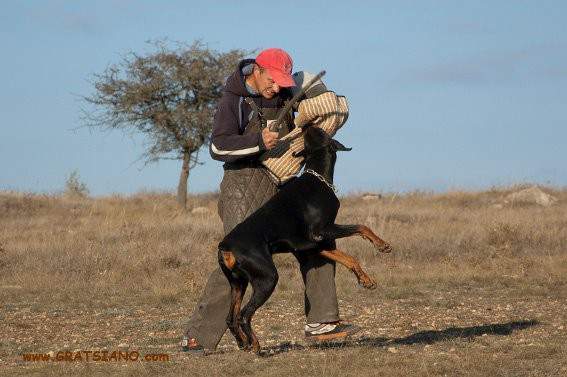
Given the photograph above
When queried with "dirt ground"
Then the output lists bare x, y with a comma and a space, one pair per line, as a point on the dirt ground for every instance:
473, 288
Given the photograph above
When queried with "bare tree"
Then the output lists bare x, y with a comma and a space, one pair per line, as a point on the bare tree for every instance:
169, 95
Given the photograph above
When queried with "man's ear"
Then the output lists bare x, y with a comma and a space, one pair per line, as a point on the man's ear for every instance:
256, 70
338, 146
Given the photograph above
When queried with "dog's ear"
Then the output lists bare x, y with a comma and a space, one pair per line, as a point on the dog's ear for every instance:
337, 146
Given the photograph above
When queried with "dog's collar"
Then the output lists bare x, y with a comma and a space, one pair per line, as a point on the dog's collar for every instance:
322, 179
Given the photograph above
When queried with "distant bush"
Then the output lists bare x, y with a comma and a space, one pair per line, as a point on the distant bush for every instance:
74, 187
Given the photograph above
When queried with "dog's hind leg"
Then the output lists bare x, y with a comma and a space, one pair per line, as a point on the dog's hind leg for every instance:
335, 231
352, 264
238, 286
263, 284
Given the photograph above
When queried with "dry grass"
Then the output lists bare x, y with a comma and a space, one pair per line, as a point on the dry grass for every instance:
471, 289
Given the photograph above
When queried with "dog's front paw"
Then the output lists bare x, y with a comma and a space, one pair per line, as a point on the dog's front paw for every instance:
367, 282
380, 245
385, 248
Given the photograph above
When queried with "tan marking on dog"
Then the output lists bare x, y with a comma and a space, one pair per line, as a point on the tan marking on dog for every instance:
367, 233
228, 259
352, 264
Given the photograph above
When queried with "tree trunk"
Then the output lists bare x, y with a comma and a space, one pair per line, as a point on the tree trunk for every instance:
182, 186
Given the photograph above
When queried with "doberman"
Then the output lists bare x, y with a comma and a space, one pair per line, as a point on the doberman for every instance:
300, 217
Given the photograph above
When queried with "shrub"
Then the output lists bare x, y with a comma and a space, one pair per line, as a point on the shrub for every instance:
74, 187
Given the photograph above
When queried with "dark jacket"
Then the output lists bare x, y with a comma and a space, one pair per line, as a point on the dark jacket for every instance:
229, 141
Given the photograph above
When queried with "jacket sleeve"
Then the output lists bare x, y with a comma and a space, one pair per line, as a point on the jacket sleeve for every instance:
227, 144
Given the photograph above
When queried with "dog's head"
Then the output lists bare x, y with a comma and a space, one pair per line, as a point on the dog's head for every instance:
317, 140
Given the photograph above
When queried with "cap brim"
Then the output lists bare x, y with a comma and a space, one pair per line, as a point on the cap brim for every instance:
282, 79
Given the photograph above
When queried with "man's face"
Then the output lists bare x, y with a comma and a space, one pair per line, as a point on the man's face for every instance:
265, 85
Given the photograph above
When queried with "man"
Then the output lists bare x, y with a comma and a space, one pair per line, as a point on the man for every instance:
252, 96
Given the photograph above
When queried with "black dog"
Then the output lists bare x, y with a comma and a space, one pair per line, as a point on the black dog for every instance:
301, 216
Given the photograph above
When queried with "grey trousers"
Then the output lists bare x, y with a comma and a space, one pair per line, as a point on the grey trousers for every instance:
242, 192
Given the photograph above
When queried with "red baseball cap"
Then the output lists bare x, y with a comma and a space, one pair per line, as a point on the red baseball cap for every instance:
279, 65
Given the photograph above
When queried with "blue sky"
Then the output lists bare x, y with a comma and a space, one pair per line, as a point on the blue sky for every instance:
443, 94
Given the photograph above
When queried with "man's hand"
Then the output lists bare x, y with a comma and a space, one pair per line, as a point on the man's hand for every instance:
269, 138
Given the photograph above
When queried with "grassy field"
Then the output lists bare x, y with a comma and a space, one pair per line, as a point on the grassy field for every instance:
474, 287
